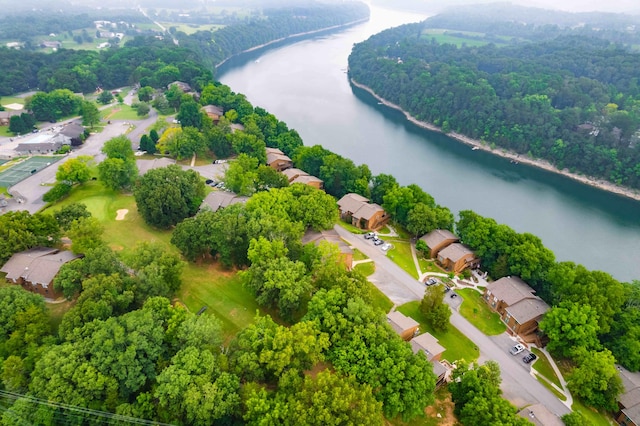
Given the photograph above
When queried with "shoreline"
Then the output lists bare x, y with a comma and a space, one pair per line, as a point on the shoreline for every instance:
260, 46
633, 194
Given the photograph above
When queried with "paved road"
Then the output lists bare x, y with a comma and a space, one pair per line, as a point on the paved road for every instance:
518, 385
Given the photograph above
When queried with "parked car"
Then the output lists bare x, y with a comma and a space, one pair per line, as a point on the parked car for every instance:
528, 358
447, 289
369, 235
516, 349
385, 247
453, 295
208, 181
378, 242
431, 281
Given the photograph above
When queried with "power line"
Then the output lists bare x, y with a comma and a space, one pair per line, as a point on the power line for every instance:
107, 417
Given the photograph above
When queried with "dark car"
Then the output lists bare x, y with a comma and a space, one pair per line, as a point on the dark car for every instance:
378, 242
208, 181
431, 281
447, 289
528, 358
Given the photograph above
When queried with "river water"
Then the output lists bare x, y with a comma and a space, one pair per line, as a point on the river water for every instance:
304, 83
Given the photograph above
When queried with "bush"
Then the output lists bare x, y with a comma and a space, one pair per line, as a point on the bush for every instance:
57, 192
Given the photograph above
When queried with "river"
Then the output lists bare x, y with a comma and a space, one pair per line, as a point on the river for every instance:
304, 83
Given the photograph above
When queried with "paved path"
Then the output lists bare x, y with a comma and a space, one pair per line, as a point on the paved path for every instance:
518, 385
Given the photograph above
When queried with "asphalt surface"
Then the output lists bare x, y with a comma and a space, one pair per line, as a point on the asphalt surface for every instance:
518, 385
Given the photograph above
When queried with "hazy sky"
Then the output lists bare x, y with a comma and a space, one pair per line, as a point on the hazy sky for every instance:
587, 5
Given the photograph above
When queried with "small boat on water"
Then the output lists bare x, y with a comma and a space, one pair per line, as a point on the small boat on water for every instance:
379, 103
257, 61
475, 148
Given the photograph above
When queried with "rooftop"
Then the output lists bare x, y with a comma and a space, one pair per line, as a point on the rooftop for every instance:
401, 323
145, 165
437, 237
527, 309
330, 235
455, 252
217, 200
510, 289
38, 265
428, 344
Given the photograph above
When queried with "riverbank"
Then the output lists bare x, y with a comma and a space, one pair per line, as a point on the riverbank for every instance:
514, 157
292, 36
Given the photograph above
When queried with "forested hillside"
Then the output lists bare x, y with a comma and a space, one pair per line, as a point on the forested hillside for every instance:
573, 100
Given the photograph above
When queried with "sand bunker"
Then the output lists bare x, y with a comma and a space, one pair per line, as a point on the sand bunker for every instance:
121, 214
15, 107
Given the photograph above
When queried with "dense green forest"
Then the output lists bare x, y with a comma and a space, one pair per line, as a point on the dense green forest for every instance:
572, 100
275, 23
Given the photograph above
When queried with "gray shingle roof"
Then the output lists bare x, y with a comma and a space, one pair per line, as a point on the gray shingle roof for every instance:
401, 323
428, 344
528, 309
630, 398
510, 289
220, 199
455, 252
38, 265
437, 236
351, 202
633, 413
330, 235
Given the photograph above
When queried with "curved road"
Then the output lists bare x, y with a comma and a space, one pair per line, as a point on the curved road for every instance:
518, 385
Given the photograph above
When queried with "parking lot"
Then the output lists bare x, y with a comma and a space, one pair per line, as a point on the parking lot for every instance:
375, 240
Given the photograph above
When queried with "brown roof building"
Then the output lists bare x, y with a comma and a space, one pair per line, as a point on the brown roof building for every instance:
357, 210
331, 236
405, 326
429, 345
214, 112
36, 268
277, 160
300, 176
438, 239
457, 257
520, 309
217, 200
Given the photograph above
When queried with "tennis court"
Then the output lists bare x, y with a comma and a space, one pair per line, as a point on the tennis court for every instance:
21, 171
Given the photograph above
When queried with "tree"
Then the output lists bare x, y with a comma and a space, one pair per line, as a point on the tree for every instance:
596, 379
168, 195
190, 115
20, 231
105, 97
67, 214
142, 109
56, 193
240, 177
158, 270
576, 418
118, 174
185, 143
153, 134
75, 170
436, 312
23, 321
382, 184
16, 125
85, 234
90, 114
571, 326
145, 94
147, 145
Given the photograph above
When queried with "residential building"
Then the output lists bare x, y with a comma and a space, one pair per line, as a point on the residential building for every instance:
357, 210
5, 116
519, 308
277, 159
36, 268
217, 200
75, 132
405, 326
331, 236
181, 85
457, 257
429, 346
157, 163
629, 401
437, 240
214, 112
300, 176
43, 143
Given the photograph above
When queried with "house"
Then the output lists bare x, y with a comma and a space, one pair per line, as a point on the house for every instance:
518, 306
36, 268
157, 163
300, 176
217, 200
357, 210
316, 237
428, 345
237, 127
457, 257
181, 85
214, 112
438, 239
5, 116
539, 415
277, 159
405, 326
43, 143
629, 401
51, 44
75, 132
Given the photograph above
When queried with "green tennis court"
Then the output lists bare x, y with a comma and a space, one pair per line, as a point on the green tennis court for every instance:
21, 171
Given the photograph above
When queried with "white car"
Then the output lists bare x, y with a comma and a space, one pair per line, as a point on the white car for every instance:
516, 349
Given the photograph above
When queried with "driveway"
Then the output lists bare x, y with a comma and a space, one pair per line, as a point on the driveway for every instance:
518, 385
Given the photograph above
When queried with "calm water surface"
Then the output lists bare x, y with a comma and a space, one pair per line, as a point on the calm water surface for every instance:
304, 83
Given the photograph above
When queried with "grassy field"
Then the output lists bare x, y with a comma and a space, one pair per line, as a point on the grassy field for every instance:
191, 28
428, 265
379, 300
350, 227
478, 313
120, 112
366, 268
457, 344
401, 255
460, 38
6, 100
543, 366
358, 255
595, 417
5, 132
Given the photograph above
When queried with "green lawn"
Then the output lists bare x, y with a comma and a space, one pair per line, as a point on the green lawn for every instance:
401, 255
191, 28
543, 366
6, 100
358, 255
428, 265
379, 299
595, 417
478, 313
120, 112
5, 132
366, 268
349, 227
457, 344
